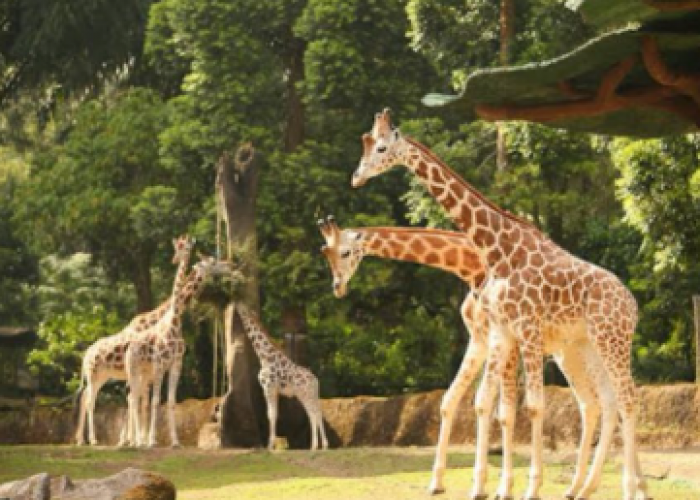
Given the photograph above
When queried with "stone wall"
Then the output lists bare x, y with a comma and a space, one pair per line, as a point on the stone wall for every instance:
669, 417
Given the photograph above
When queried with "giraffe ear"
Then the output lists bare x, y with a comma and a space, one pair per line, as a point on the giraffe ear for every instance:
367, 144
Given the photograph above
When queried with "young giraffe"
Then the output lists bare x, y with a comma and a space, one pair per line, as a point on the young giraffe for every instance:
279, 375
538, 296
452, 252
104, 359
160, 349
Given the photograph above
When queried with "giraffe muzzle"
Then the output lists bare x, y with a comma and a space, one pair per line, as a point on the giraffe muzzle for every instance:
339, 289
357, 180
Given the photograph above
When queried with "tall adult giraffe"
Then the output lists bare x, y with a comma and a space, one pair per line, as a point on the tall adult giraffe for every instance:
160, 350
104, 359
451, 251
537, 295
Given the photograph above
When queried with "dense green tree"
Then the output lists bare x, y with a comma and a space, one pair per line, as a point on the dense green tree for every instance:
79, 304
105, 192
248, 63
658, 187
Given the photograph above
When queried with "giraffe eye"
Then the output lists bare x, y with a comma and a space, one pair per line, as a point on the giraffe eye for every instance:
345, 254
381, 149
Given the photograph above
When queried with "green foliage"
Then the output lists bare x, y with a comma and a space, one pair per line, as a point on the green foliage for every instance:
105, 191
459, 37
657, 186
79, 305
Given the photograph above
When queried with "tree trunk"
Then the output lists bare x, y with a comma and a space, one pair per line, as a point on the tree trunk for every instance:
243, 413
507, 37
696, 315
141, 278
294, 130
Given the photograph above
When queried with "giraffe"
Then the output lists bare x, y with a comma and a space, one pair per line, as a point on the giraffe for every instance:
279, 375
161, 349
538, 297
450, 251
104, 359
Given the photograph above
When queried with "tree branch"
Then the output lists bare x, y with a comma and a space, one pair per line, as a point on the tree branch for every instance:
659, 71
673, 6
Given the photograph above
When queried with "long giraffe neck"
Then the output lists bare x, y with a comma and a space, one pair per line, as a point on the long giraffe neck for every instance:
262, 342
446, 250
192, 286
494, 232
181, 279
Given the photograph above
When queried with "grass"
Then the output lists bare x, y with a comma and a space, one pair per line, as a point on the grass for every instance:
350, 473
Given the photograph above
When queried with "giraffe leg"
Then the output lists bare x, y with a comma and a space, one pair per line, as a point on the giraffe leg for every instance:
473, 360
271, 396
499, 346
90, 400
313, 422
506, 415
532, 353
578, 368
174, 377
616, 360
155, 403
80, 431
321, 427
133, 402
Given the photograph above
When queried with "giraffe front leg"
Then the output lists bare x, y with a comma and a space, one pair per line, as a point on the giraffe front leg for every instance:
155, 402
90, 401
473, 360
173, 380
579, 370
322, 428
532, 354
271, 397
506, 416
499, 346
80, 431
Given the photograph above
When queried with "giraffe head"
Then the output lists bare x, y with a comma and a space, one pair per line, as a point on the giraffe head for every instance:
208, 266
183, 248
381, 149
343, 250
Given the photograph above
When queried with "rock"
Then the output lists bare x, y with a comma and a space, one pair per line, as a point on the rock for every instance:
36, 487
210, 436
129, 484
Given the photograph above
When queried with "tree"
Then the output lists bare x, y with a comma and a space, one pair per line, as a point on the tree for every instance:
104, 190
68, 46
659, 189
79, 305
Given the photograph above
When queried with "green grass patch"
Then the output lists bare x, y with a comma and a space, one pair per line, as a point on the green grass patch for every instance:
351, 473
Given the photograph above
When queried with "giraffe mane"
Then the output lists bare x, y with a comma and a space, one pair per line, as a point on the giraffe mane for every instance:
505, 213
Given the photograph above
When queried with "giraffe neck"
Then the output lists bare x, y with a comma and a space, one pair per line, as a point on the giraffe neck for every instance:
446, 250
259, 338
193, 285
180, 282
494, 232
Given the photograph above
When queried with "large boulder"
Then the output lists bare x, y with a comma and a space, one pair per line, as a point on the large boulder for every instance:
35, 487
129, 484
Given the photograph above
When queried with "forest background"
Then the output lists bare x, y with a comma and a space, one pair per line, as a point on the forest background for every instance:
114, 114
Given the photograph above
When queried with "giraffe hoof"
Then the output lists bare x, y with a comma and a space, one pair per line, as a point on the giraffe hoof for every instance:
436, 491
482, 496
499, 497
